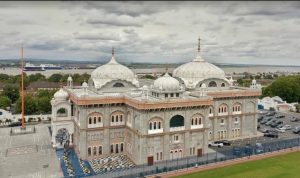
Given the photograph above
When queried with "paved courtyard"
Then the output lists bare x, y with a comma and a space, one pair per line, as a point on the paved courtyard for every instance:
24, 156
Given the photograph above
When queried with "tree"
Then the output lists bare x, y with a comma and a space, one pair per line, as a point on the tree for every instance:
55, 78
43, 105
4, 77
12, 92
288, 88
36, 77
4, 102
29, 105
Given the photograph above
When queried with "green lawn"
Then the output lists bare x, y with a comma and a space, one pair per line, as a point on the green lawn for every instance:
284, 166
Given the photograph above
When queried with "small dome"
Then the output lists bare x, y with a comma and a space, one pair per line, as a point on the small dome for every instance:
70, 79
112, 71
167, 82
84, 84
61, 95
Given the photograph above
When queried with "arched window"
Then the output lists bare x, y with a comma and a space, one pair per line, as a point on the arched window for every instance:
112, 119
62, 112
117, 118
150, 126
159, 125
95, 120
90, 120
99, 119
193, 121
177, 121
118, 85
223, 85
212, 84
196, 121
154, 125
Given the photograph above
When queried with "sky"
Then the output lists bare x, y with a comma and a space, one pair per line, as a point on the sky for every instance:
155, 32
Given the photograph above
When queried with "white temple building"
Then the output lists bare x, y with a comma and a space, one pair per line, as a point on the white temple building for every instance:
174, 117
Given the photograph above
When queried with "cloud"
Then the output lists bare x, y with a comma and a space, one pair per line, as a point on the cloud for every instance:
97, 36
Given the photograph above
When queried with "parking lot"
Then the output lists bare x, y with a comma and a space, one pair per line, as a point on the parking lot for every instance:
266, 141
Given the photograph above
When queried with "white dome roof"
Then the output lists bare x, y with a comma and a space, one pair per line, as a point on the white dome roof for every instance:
166, 82
70, 78
197, 70
61, 95
112, 71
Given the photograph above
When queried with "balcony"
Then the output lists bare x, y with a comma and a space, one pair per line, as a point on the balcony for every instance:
237, 112
156, 131
223, 114
117, 123
174, 129
197, 126
95, 125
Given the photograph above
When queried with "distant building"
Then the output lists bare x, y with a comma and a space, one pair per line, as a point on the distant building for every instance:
43, 85
275, 103
173, 117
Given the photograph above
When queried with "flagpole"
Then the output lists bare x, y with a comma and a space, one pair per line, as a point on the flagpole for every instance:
22, 91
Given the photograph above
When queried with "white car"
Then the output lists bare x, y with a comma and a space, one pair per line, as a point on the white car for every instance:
281, 130
287, 127
215, 144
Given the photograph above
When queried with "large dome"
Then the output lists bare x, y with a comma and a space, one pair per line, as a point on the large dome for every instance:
112, 71
167, 83
197, 70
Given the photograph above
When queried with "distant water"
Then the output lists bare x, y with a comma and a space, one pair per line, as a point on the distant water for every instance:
228, 70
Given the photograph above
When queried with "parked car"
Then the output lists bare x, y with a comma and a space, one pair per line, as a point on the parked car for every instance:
270, 114
270, 122
259, 148
271, 134
225, 142
296, 130
276, 123
280, 116
279, 126
281, 130
265, 130
14, 124
295, 119
216, 144
287, 127
265, 120
260, 118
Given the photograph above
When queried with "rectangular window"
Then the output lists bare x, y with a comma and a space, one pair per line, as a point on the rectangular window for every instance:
172, 95
122, 147
111, 148
177, 94
160, 155
157, 156
100, 150
89, 151
99, 119
166, 95
94, 151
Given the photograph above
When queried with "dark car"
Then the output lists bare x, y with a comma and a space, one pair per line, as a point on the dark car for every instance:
225, 142
270, 114
270, 122
271, 134
265, 120
276, 123
280, 116
260, 118
295, 119
14, 124
279, 126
